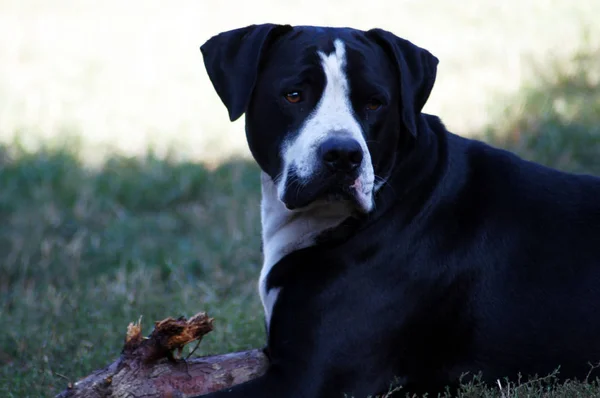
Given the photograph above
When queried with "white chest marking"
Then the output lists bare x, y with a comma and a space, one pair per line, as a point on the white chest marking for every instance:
284, 231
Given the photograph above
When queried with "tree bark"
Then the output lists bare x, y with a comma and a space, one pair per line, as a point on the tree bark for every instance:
148, 368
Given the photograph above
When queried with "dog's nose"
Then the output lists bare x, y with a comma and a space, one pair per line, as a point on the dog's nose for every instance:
341, 154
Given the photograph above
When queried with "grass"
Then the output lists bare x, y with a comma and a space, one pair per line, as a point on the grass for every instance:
84, 252
86, 248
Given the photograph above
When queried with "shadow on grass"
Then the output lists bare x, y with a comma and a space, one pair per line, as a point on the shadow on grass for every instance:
57, 212
85, 251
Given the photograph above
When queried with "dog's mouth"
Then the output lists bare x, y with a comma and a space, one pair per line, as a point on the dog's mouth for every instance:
341, 192
298, 196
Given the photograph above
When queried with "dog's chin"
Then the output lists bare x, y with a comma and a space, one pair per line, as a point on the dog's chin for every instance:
340, 197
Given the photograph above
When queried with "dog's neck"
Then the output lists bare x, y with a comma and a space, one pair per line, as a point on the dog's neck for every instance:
285, 231
419, 166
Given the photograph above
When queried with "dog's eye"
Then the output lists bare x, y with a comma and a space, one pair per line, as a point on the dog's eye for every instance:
293, 97
373, 104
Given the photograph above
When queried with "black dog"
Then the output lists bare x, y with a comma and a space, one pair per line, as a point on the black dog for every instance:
394, 249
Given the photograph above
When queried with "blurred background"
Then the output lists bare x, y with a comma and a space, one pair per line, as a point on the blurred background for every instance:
125, 191
126, 75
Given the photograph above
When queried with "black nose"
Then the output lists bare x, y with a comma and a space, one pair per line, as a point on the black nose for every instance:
341, 154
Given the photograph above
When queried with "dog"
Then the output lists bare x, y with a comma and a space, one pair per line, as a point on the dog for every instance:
397, 253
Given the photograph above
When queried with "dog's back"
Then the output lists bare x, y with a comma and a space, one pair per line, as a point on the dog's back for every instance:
533, 235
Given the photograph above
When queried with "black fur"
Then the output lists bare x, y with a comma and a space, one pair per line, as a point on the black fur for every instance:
474, 260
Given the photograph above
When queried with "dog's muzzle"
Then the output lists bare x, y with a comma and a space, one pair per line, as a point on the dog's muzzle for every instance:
338, 176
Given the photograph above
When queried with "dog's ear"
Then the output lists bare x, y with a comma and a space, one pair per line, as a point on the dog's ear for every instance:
417, 68
232, 60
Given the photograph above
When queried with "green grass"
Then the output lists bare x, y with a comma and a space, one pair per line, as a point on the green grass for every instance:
86, 250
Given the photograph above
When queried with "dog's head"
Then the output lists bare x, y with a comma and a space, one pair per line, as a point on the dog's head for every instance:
326, 108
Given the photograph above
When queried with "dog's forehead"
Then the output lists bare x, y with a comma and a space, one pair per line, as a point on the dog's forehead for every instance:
305, 43
324, 37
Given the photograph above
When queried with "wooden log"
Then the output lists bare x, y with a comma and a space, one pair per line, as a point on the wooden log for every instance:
149, 368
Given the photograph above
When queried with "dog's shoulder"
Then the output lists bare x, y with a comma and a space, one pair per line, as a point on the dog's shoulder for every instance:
482, 182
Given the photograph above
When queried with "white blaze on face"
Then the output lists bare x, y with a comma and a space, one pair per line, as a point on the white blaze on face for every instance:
332, 115
285, 231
